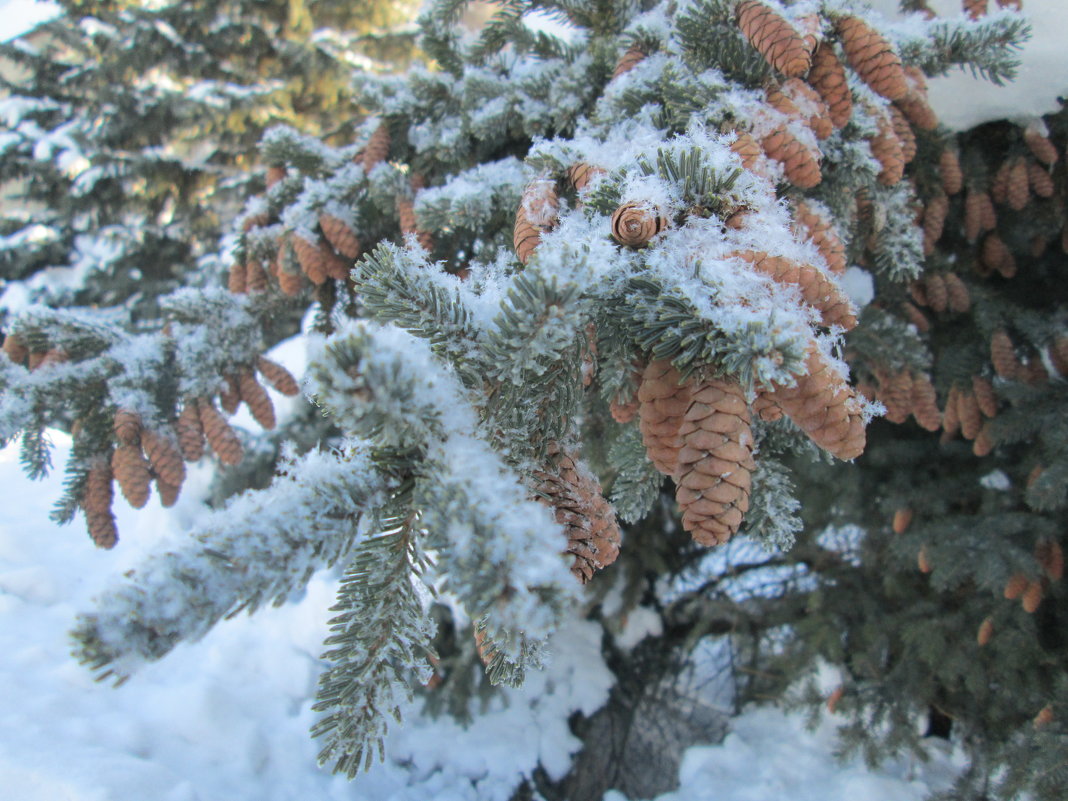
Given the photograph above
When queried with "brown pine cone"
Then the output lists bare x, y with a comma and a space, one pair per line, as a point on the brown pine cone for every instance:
127, 427
580, 174
766, 408
985, 396
340, 235
823, 236
1017, 188
895, 393
629, 60
801, 165
715, 467
310, 258
999, 185
257, 399
190, 432
277, 376
663, 403
935, 289
537, 214
1058, 354
237, 280
923, 560
1016, 586
959, 298
774, 38
589, 520
1041, 146
1040, 181
973, 214
974, 8
950, 418
902, 520
1045, 715
15, 350
996, 255
289, 283
1050, 557
163, 455
168, 493
817, 290
377, 148
903, 132
950, 171
635, 224
96, 501
814, 111
748, 150
924, 402
916, 317
131, 471
986, 631
258, 220
624, 412
337, 267
828, 77
888, 151
220, 436
934, 218
971, 420
1003, 356
1032, 597
230, 398
914, 105
873, 58
275, 173
255, 276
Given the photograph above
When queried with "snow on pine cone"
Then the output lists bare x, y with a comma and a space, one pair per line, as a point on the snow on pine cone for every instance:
800, 164
781, 45
634, 224
580, 174
588, 519
821, 231
377, 148
127, 427
629, 60
872, 57
828, 78
817, 290
715, 463
340, 235
663, 401
537, 214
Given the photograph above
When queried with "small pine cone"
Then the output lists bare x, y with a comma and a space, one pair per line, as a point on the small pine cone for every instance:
825, 407
748, 150
406, 215
923, 560
974, 8
914, 105
629, 60
985, 396
537, 214
902, 520
1003, 356
131, 471
337, 267
918, 291
888, 151
716, 463
988, 218
1016, 586
164, 457
127, 427
220, 436
823, 236
1032, 597
937, 295
190, 432
766, 408
834, 699
277, 376
916, 317
168, 493
275, 174
924, 402
984, 441
801, 101
377, 148
580, 174
1035, 475
238, 278
999, 186
971, 420
15, 350
950, 418
986, 631
781, 45
253, 221
1041, 146
873, 58
782, 102
895, 392
828, 77
950, 171
257, 399
1040, 181
817, 290
1058, 355
1050, 557
289, 283
340, 234
255, 276
230, 397
801, 165
310, 258
934, 218
634, 224
663, 403
96, 501
904, 133
960, 300
1045, 714
996, 255
973, 215
624, 412
1017, 188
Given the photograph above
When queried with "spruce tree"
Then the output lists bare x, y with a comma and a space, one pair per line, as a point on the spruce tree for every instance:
709, 241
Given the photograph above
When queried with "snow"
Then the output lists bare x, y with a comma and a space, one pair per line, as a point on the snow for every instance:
20, 16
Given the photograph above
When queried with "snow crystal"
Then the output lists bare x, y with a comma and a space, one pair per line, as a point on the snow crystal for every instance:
996, 480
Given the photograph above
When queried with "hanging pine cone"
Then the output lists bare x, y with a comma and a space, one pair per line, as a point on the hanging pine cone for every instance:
1003, 356
824, 406
257, 399
1058, 354
629, 60
873, 58
817, 290
986, 631
624, 411
127, 427
590, 522
309, 257
814, 111
536, 215
275, 173
800, 164
823, 236
985, 396
914, 105
1032, 597
747, 149
15, 350
974, 8
950, 418
164, 457
937, 295
888, 151
934, 219
340, 235
1050, 557
999, 186
895, 393
96, 501
959, 298
220, 436
190, 432
230, 396
1045, 715
277, 376
1040, 145
289, 283
253, 221
634, 224
903, 132
1018, 190
715, 466
828, 78
255, 276
1040, 181
996, 255
766, 408
774, 38
971, 420
950, 171
131, 471
580, 174
923, 560
1015, 586
924, 402
237, 279
916, 317
973, 215
902, 520
377, 148
663, 403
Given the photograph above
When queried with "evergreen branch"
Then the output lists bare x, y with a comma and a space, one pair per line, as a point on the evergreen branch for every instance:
984, 47
637, 484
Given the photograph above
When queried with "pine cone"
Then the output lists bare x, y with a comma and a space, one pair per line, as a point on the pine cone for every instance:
766, 408
310, 258
1015, 586
985, 396
810, 105
663, 403
824, 406
1058, 354
986, 631
220, 436
1032, 597
924, 402
230, 398
902, 520
15, 350
340, 235
937, 294
1050, 557
817, 290
257, 399
190, 432
255, 277
887, 149
903, 132
949, 169
589, 520
238, 278
377, 148
873, 58
1003, 356
127, 427
923, 560
164, 457
634, 224
278, 377
536, 215
580, 174
275, 173
252, 221
1018, 190
1041, 146
999, 186
96, 501
747, 149
823, 236
959, 298
973, 214
1045, 715
934, 218
337, 267
801, 165
715, 467
289, 283
629, 60
131, 471
774, 38
996, 255
895, 393
1040, 181
974, 8
950, 418
168, 493
828, 78
914, 105
624, 412
916, 317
